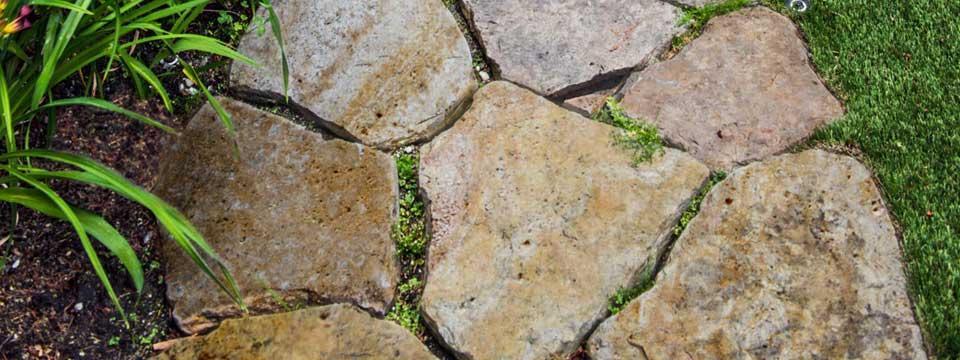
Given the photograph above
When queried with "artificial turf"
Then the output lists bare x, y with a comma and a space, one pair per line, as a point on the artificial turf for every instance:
896, 66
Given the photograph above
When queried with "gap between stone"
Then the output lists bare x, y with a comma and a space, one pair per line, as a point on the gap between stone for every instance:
645, 279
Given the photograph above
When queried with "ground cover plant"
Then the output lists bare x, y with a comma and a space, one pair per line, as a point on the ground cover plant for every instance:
895, 66
637, 136
49, 42
410, 235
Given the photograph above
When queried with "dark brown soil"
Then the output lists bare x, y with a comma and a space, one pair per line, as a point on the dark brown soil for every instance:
52, 304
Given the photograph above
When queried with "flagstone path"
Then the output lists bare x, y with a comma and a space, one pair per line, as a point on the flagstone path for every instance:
537, 215
295, 213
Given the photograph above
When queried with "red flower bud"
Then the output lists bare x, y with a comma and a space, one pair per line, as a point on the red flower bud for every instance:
18, 24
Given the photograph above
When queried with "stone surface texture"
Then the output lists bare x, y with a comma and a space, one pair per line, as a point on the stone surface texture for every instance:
791, 258
591, 103
554, 47
294, 213
742, 91
537, 219
332, 332
386, 72
696, 3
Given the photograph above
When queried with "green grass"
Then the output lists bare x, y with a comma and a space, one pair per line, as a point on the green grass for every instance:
640, 137
896, 65
697, 17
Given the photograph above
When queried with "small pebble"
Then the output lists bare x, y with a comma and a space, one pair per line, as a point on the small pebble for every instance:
484, 76
16, 264
187, 87
170, 64
78, 306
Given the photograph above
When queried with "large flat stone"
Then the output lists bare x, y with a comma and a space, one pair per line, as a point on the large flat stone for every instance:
792, 258
556, 47
742, 91
537, 219
386, 72
294, 213
335, 332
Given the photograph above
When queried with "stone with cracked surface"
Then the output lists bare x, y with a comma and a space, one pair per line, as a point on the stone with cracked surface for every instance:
293, 215
334, 332
555, 47
794, 257
742, 91
386, 72
537, 219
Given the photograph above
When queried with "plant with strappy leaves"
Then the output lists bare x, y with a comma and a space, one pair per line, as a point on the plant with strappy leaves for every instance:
97, 39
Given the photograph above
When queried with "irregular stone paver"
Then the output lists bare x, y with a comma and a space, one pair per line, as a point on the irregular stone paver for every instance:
537, 219
294, 212
792, 258
742, 91
554, 47
387, 72
331, 332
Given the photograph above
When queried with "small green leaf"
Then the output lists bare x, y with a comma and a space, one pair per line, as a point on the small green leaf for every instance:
210, 45
149, 77
59, 4
275, 26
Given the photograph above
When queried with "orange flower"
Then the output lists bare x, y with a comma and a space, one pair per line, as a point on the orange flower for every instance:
18, 24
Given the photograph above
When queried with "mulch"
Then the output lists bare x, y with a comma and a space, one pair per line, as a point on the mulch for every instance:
52, 304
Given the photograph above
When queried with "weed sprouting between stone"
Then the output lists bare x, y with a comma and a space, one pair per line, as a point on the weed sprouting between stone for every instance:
406, 315
640, 137
696, 18
694, 208
410, 236
624, 296
410, 231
